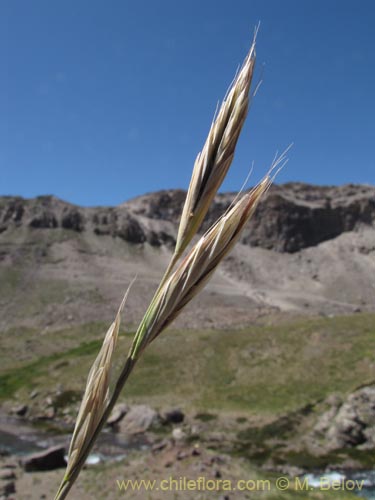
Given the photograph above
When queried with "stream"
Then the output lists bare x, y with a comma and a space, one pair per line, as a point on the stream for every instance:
19, 439
362, 483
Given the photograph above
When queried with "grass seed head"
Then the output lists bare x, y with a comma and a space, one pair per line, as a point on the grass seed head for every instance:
213, 162
197, 267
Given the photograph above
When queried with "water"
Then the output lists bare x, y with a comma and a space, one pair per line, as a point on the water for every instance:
369, 483
18, 444
16, 438
364, 479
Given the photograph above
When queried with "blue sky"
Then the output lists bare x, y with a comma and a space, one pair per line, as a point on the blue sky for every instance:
102, 101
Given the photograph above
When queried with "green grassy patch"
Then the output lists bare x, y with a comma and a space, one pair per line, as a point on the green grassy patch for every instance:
205, 417
40, 372
9, 278
266, 370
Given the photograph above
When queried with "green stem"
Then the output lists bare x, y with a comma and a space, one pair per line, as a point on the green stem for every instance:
138, 342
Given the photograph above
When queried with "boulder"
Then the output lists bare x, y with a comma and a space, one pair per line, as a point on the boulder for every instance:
117, 414
174, 416
139, 418
49, 459
21, 410
7, 474
178, 434
350, 424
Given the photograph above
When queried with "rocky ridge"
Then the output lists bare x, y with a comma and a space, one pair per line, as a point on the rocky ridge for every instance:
293, 216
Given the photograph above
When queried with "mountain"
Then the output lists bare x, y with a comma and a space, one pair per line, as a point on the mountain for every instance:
308, 249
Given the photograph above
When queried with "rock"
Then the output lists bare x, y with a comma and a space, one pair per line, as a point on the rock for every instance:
50, 459
325, 420
20, 410
59, 389
178, 434
49, 401
195, 431
167, 239
153, 239
7, 488
294, 215
130, 230
12, 212
6, 474
139, 418
161, 445
175, 416
181, 455
34, 393
351, 424
164, 205
117, 414
218, 459
44, 220
289, 470
73, 220
50, 413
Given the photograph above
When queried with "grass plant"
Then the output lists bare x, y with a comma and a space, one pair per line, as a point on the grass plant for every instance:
185, 275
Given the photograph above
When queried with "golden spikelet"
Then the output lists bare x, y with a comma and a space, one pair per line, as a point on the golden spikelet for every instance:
95, 398
196, 268
213, 162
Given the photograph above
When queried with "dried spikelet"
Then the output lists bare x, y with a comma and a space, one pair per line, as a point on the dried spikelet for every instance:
197, 268
95, 398
213, 161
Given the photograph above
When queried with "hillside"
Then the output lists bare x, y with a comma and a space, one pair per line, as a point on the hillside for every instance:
308, 249
277, 396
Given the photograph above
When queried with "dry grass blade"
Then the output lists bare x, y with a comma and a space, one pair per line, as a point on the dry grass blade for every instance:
213, 162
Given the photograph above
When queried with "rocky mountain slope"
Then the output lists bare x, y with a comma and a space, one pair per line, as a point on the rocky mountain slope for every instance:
307, 249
